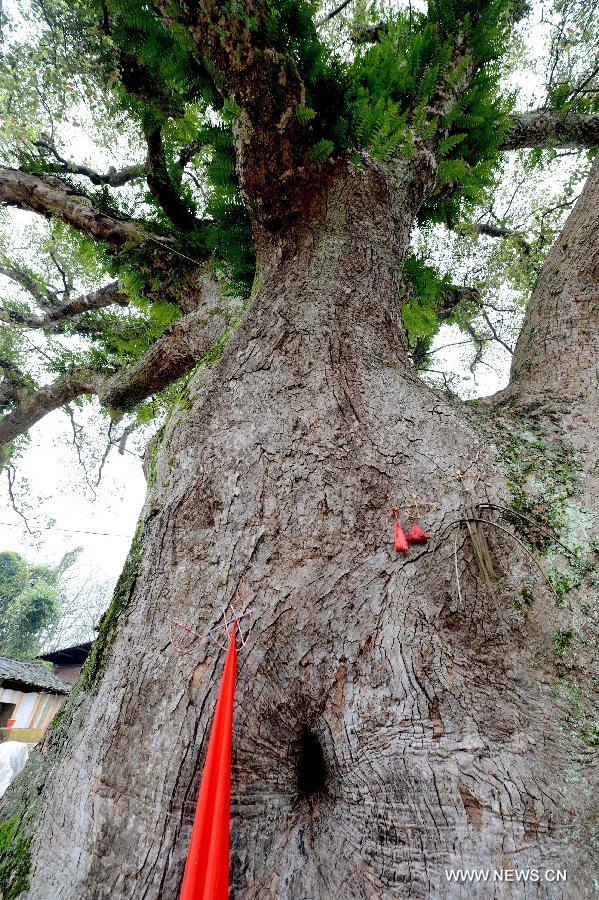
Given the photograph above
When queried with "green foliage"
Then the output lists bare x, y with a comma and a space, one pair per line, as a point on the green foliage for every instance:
590, 736
30, 602
420, 311
423, 309
561, 642
229, 239
321, 151
291, 26
524, 599
407, 88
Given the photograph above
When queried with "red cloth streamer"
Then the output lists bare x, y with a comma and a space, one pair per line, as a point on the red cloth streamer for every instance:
416, 535
206, 875
401, 545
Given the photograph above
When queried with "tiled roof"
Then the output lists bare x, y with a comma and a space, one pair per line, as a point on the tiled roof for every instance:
68, 656
30, 675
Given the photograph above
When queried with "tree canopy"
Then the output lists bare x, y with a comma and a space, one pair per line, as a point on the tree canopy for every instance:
30, 603
226, 116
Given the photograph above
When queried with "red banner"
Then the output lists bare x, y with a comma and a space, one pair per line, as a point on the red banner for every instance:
206, 875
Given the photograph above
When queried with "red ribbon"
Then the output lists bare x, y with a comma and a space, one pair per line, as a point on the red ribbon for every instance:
400, 543
416, 535
206, 875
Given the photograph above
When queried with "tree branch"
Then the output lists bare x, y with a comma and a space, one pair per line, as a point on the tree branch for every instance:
556, 351
112, 178
334, 12
160, 183
22, 278
173, 355
33, 407
552, 128
14, 385
498, 231
49, 196
455, 294
261, 76
105, 296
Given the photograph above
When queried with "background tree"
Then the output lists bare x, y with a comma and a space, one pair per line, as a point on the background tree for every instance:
265, 281
31, 603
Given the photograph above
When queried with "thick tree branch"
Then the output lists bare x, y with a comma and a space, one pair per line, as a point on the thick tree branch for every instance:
105, 296
33, 407
552, 128
556, 353
173, 355
50, 196
113, 177
160, 183
262, 78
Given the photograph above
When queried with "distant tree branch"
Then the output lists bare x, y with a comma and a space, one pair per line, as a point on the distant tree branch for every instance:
453, 295
369, 34
113, 177
105, 296
552, 128
334, 12
499, 231
26, 281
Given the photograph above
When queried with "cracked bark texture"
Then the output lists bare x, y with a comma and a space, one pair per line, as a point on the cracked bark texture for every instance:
442, 739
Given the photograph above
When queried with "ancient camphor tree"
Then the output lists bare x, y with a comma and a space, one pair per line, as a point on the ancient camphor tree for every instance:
396, 714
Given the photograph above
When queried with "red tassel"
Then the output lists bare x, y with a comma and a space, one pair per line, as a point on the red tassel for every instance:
206, 875
417, 536
401, 545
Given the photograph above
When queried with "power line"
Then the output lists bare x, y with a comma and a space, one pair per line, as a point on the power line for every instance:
69, 530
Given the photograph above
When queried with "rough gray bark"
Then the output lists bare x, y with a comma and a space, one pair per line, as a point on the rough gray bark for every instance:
552, 128
557, 347
443, 740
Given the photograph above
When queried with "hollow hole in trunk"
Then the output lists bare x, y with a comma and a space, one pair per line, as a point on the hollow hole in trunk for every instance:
311, 766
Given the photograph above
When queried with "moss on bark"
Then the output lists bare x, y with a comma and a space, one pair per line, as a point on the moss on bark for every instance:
109, 622
15, 858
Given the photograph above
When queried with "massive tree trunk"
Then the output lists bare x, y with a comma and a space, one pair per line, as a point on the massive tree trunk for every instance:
389, 723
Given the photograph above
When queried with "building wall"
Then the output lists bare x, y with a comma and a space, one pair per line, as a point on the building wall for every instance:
70, 674
32, 709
